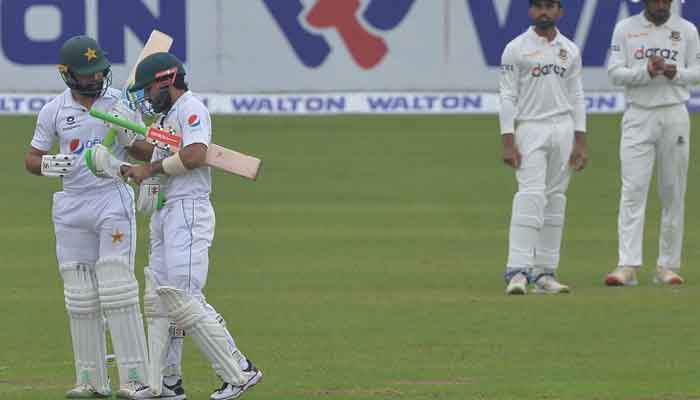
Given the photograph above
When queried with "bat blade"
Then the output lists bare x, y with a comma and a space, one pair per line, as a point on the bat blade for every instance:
157, 42
233, 162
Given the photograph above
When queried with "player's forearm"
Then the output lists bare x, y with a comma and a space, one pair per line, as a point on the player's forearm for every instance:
578, 102
194, 155
141, 150
507, 115
508, 140
688, 76
579, 115
155, 167
33, 163
625, 76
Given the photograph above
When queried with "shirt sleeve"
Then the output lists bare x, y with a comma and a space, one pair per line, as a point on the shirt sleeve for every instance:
577, 98
509, 89
689, 75
45, 131
620, 73
196, 126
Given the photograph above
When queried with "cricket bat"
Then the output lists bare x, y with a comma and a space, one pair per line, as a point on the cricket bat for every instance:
219, 157
157, 42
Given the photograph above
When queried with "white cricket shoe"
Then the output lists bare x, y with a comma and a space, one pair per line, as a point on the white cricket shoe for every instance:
622, 276
168, 392
517, 284
85, 391
547, 284
129, 390
668, 277
228, 391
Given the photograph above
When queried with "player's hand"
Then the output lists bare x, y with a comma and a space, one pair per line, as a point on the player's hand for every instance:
670, 71
137, 173
103, 164
57, 165
150, 196
579, 154
655, 66
125, 137
511, 155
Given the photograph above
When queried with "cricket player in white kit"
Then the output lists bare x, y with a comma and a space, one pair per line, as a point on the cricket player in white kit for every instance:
656, 57
181, 232
95, 226
543, 124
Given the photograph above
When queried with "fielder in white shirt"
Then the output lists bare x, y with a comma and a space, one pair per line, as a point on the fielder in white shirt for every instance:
543, 124
182, 230
656, 57
95, 225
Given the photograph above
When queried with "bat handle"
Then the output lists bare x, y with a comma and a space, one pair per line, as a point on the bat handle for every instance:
109, 138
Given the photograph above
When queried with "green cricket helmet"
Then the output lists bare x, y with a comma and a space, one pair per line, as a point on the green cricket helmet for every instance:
84, 66
161, 69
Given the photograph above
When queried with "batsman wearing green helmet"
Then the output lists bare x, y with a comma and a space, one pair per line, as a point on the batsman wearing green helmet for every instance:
182, 231
84, 67
95, 225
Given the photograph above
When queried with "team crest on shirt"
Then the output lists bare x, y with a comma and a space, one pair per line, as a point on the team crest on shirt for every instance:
563, 54
193, 121
676, 36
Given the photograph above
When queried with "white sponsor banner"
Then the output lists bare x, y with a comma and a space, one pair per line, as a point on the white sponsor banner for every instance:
336, 103
304, 46
382, 103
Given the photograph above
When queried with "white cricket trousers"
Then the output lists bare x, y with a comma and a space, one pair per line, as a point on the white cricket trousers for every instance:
539, 206
658, 134
181, 234
95, 225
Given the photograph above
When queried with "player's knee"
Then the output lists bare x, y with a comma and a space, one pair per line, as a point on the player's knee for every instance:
209, 309
670, 192
153, 307
116, 283
528, 209
634, 191
555, 210
189, 278
80, 292
182, 307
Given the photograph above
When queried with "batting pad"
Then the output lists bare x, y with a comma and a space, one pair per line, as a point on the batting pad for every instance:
525, 224
158, 332
119, 297
86, 325
210, 336
547, 253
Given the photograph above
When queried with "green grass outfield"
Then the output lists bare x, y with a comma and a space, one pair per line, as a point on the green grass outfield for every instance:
366, 263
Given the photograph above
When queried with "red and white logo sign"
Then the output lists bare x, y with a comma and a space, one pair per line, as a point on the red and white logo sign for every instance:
165, 138
193, 120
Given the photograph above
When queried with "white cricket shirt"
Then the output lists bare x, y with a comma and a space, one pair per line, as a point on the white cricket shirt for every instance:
635, 40
190, 118
541, 79
68, 122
